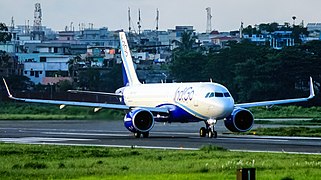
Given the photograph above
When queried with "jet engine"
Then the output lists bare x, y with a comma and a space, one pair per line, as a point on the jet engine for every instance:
139, 121
240, 120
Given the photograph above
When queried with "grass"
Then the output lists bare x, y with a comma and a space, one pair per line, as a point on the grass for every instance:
286, 131
286, 112
70, 162
291, 122
31, 111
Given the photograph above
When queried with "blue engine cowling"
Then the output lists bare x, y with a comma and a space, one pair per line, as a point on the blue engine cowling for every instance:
139, 120
240, 120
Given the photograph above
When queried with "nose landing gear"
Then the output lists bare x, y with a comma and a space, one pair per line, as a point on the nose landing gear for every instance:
209, 130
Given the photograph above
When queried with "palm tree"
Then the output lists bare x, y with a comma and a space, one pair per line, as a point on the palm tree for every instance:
73, 65
187, 41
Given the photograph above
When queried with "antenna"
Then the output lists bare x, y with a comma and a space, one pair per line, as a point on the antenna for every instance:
157, 19
241, 31
129, 20
37, 18
139, 21
209, 20
12, 23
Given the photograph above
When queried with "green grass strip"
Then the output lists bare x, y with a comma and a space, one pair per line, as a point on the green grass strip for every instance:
70, 162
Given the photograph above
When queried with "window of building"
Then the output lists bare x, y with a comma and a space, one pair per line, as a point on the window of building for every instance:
36, 73
26, 72
32, 73
43, 59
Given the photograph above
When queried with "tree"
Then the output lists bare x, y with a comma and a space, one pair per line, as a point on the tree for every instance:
89, 79
5, 35
186, 43
5, 60
19, 83
73, 66
189, 66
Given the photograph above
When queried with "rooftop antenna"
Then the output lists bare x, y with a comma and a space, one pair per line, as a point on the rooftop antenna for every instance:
37, 18
209, 20
157, 19
129, 20
139, 22
12, 23
241, 31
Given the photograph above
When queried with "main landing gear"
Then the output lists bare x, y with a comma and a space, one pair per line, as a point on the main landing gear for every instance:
209, 130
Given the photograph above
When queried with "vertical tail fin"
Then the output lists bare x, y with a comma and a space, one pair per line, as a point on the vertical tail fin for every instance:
130, 76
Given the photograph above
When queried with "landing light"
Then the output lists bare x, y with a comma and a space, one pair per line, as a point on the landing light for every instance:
97, 109
62, 106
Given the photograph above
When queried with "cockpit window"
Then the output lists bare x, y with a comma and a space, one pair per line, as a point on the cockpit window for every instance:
227, 94
217, 94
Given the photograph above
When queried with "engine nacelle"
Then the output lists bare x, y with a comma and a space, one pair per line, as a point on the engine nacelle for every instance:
240, 120
139, 120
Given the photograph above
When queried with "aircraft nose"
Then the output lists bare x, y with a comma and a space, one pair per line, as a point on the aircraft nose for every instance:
224, 107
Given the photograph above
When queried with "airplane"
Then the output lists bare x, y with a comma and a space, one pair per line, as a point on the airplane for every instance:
146, 104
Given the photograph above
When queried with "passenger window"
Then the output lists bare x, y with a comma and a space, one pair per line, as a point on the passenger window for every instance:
227, 94
208, 94
217, 94
212, 95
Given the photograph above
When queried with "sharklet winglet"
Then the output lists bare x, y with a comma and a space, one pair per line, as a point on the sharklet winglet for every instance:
7, 88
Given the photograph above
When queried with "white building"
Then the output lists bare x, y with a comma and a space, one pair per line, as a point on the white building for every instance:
41, 67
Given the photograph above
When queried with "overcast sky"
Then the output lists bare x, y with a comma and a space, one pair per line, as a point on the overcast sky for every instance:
227, 14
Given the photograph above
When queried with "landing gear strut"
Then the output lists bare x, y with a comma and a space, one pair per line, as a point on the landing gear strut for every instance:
209, 130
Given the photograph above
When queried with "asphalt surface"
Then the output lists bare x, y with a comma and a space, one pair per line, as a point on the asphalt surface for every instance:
163, 136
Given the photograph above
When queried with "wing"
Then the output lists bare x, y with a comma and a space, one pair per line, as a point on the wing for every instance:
275, 102
85, 104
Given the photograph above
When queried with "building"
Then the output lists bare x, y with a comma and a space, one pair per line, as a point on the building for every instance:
40, 67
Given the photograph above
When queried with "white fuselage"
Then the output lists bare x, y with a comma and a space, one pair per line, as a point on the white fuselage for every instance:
198, 99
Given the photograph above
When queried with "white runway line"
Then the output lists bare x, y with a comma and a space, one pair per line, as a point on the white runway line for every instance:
40, 139
85, 134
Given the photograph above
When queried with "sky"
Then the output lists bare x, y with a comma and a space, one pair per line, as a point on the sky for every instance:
226, 14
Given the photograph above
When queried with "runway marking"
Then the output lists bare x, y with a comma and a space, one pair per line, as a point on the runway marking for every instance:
84, 134
119, 146
40, 139
253, 139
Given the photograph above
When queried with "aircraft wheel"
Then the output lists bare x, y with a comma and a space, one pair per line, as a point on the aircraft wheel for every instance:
202, 132
214, 134
210, 133
145, 134
137, 135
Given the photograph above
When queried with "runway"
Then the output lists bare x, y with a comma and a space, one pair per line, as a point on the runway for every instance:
163, 136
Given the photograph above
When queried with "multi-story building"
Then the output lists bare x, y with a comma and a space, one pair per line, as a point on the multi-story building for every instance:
44, 68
